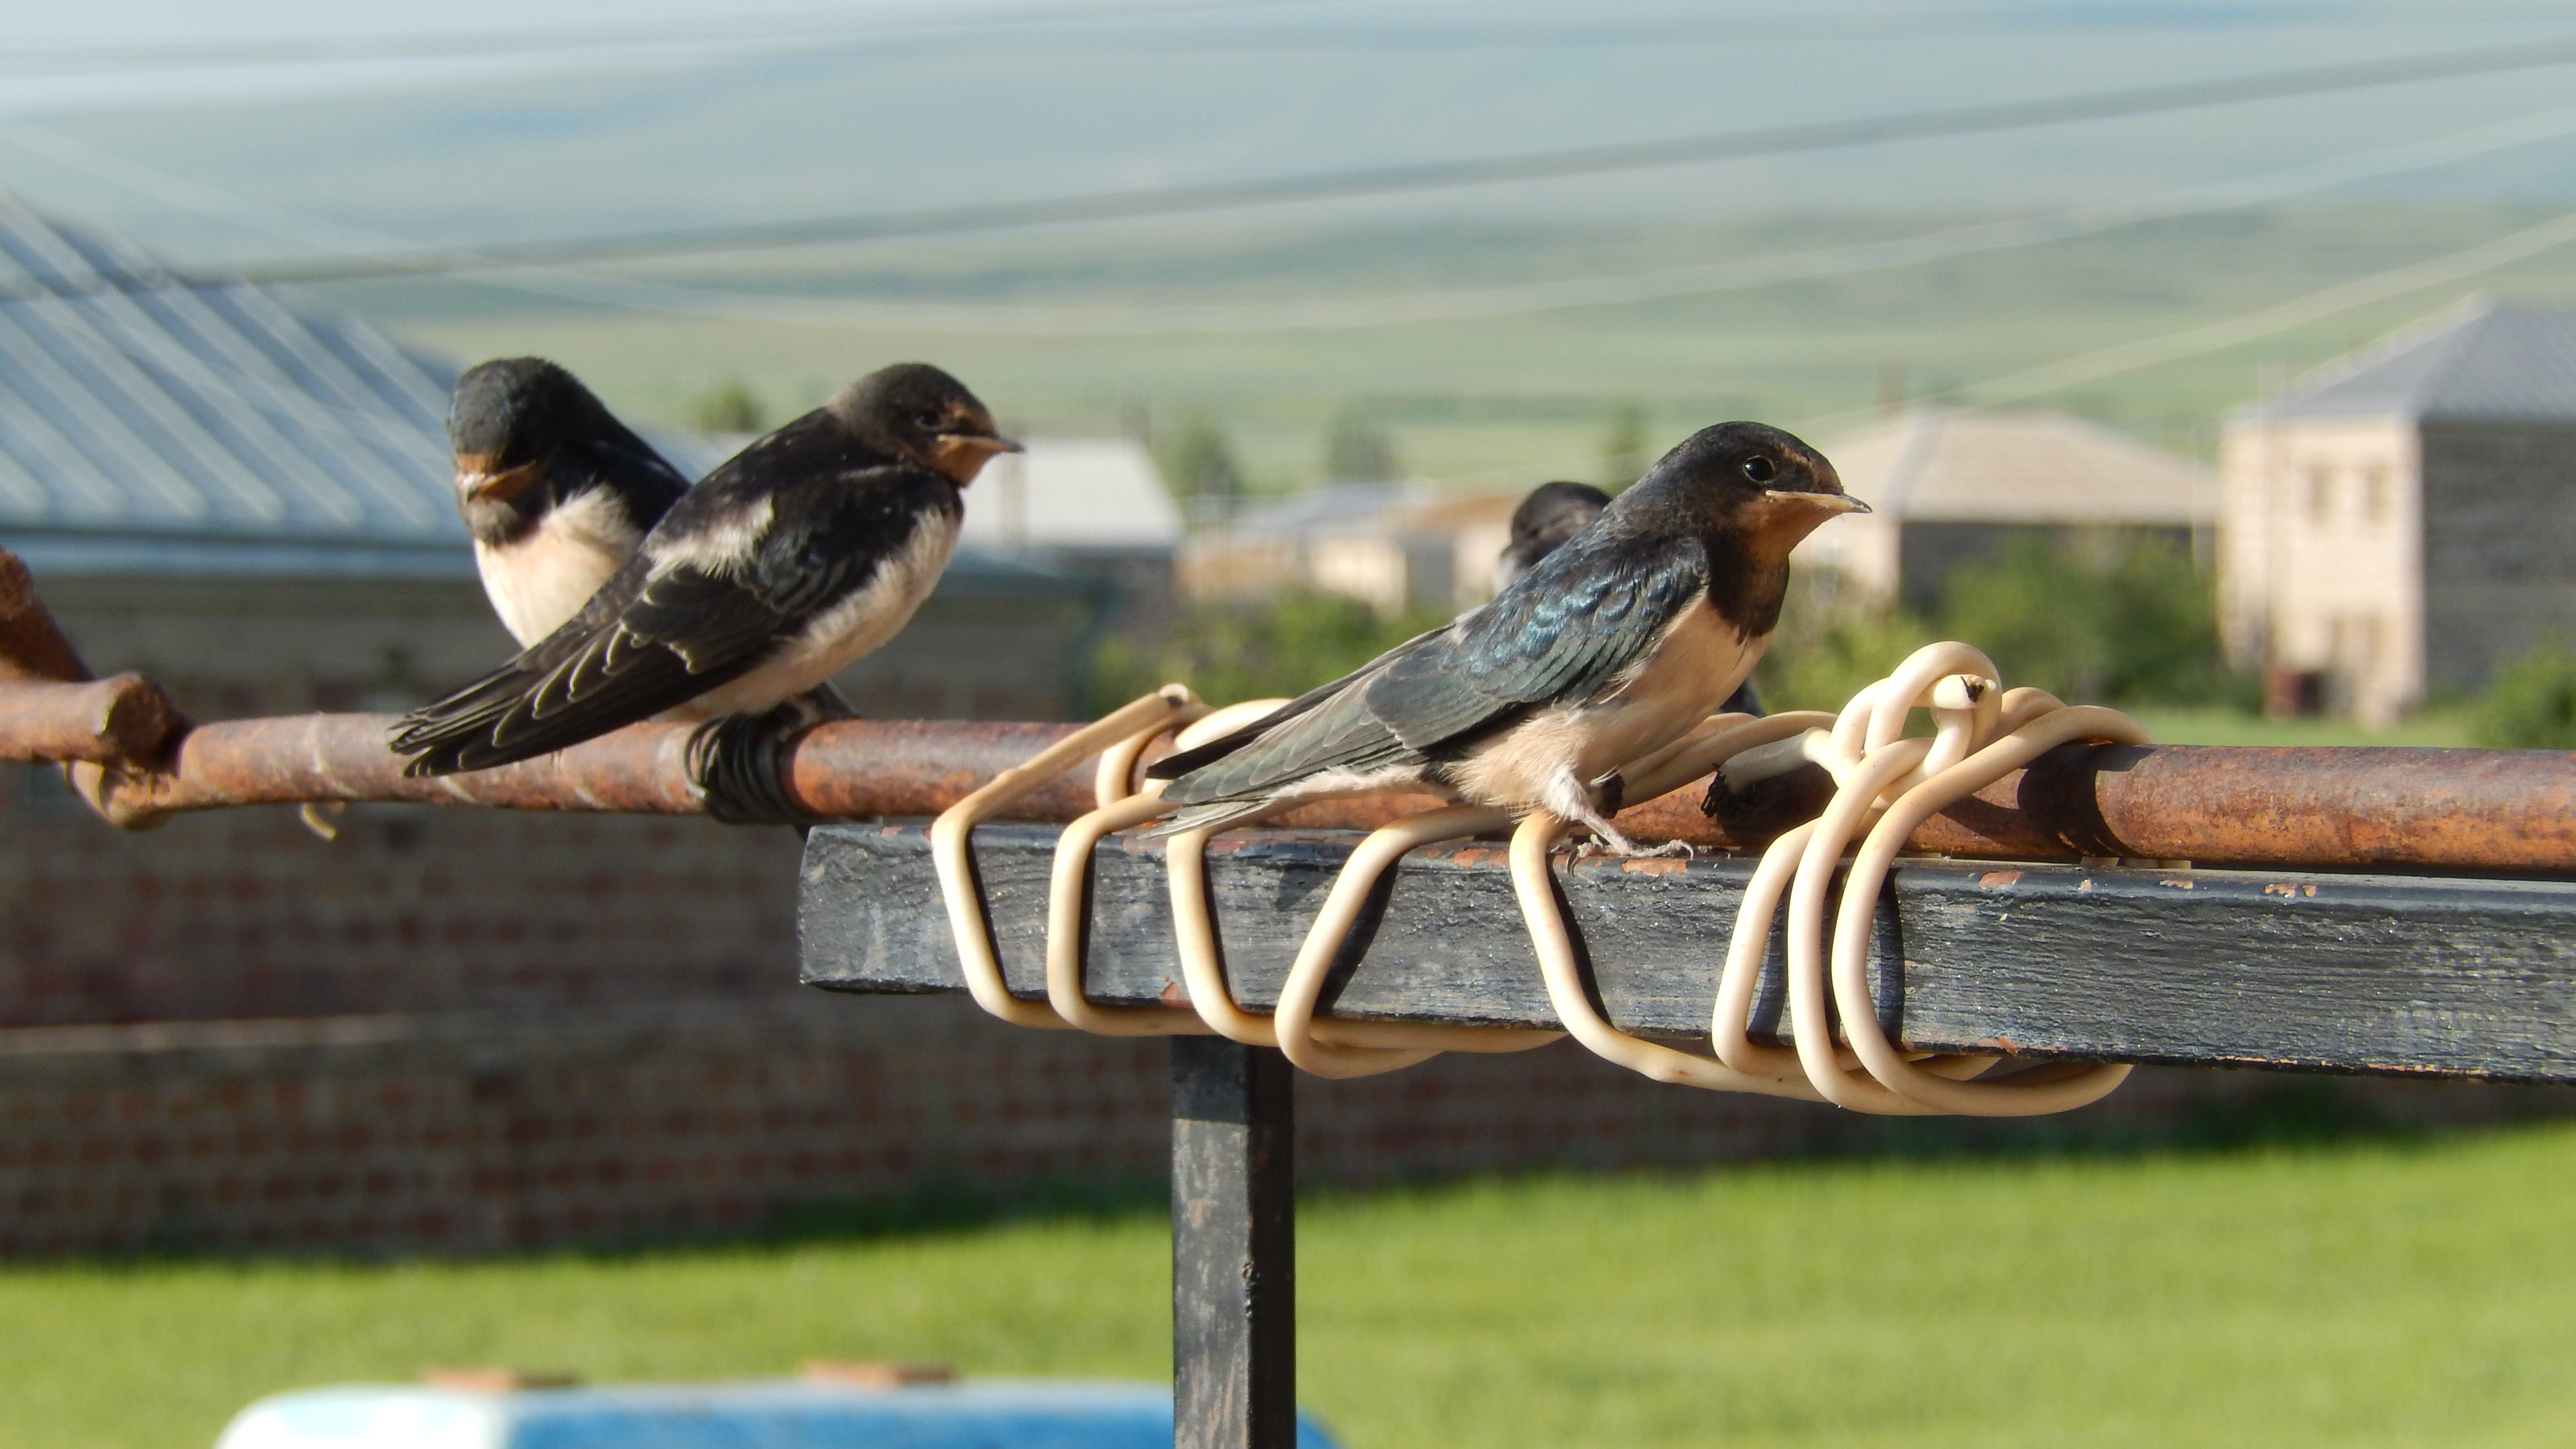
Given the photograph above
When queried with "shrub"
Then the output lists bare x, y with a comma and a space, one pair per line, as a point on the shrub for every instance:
1228, 651
729, 407
2531, 705
2130, 624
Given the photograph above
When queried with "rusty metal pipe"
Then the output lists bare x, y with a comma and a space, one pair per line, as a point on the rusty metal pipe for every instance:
124, 718
2477, 809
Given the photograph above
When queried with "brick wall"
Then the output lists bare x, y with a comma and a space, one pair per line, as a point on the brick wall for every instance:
468, 1132
459, 1031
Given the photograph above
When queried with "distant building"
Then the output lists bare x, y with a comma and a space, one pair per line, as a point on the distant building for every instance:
1394, 545
1949, 487
2404, 518
1093, 508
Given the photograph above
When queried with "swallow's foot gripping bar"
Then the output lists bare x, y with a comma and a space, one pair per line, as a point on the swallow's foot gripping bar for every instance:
1886, 785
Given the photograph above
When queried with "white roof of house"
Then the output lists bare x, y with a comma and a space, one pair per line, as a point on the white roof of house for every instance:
1072, 493
2481, 360
1940, 465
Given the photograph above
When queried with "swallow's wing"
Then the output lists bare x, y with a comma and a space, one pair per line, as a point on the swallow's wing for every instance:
1174, 766
1564, 633
641, 477
1570, 627
731, 575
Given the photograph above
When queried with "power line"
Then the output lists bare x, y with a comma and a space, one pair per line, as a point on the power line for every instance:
2209, 337
1380, 180
1343, 312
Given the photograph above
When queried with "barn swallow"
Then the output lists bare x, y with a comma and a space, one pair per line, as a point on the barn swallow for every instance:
556, 491
1555, 512
802, 553
1551, 514
1612, 646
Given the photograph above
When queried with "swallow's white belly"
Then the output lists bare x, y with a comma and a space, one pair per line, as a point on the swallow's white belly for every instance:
1561, 748
538, 582
846, 632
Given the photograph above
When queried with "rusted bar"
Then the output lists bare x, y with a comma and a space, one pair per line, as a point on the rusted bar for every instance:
2478, 809
124, 718
847, 768
2482, 809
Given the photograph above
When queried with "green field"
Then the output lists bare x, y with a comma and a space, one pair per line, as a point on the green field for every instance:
2445, 728
2417, 1294
1519, 397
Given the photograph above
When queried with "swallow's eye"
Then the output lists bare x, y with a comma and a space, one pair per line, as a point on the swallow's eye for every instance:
1761, 470
928, 422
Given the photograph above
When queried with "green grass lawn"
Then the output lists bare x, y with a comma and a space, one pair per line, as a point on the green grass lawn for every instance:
2384, 1294
2449, 728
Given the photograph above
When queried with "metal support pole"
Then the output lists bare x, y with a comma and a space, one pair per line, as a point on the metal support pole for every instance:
1234, 1247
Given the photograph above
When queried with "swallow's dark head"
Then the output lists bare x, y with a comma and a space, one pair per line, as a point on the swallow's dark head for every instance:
1757, 483
915, 411
1551, 514
507, 420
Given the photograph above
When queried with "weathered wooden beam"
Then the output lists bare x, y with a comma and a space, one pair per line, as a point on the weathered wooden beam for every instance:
1234, 1247
2338, 971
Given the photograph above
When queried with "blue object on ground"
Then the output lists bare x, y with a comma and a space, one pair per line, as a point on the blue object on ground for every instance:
760, 1414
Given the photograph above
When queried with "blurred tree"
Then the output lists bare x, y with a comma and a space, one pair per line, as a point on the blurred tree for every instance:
729, 407
2124, 621
1199, 464
2531, 704
1234, 650
1623, 447
1359, 451
1825, 650
2118, 620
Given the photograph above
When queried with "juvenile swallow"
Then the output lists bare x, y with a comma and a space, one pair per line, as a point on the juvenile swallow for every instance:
795, 558
555, 490
1555, 512
1551, 514
1612, 646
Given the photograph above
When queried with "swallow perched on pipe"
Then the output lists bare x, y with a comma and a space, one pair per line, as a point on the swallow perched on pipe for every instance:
787, 563
1612, 646
555, 490
1555, 512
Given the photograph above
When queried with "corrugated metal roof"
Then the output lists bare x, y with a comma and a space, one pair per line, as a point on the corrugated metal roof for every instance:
171, 423
1939, 465
2479, 361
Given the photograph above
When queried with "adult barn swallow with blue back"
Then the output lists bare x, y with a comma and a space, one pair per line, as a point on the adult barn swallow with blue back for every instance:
555, 490
787, 563
1555, 512
1613, 645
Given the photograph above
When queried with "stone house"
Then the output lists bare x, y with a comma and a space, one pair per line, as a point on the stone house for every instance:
1394, 546
2403, 520
1948, 487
